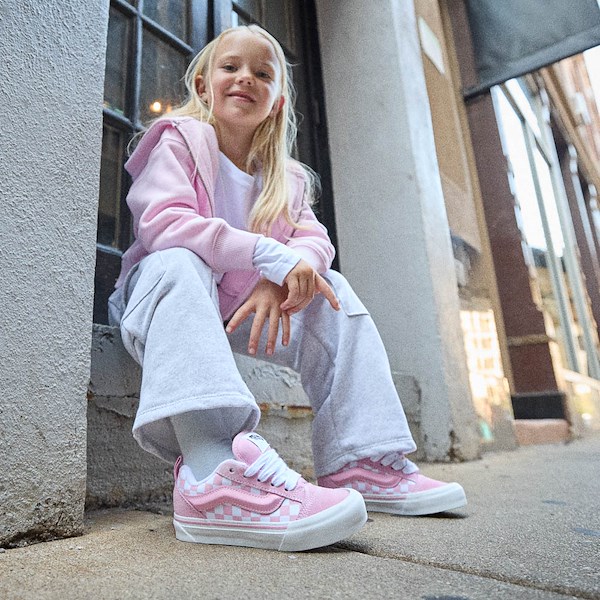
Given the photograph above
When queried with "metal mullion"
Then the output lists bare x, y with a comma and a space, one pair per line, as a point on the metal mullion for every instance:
555, 266
201, 24
581, 204
166, 35
246, 15
124, 7
117, 117
221, 16
109, 249
122, 125
137, 68
572, 264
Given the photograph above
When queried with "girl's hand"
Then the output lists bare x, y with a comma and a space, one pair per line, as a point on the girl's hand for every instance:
303, 283
265, 302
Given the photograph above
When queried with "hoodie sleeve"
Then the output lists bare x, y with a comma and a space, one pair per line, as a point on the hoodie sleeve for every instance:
311, 240
171, 209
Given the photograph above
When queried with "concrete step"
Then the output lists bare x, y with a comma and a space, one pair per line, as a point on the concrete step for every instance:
121, 474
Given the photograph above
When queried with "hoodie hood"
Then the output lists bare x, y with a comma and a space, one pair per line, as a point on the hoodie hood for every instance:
199, 137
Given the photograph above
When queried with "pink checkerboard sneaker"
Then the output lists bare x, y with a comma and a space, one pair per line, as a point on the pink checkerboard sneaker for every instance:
391, 483
257, 500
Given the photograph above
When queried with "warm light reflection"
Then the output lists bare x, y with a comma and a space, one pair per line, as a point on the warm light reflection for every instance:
582, 389
489, 387
157, 107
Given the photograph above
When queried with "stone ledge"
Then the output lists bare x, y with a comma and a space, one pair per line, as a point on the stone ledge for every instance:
120, 473
541, 431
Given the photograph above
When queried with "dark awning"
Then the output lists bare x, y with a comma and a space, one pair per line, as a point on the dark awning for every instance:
514, 37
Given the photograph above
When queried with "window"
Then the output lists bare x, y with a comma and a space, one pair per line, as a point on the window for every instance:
150, 44
543, 215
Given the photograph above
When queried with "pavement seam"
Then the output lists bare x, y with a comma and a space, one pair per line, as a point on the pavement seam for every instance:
562, 590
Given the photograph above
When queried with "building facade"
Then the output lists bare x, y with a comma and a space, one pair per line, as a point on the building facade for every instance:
486, 291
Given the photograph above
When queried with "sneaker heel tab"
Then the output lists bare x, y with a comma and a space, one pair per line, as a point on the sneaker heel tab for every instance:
177, 466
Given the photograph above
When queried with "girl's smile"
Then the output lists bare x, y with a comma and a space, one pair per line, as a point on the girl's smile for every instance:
244, 85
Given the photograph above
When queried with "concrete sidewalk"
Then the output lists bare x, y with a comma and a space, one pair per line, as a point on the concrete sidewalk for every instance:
531, 531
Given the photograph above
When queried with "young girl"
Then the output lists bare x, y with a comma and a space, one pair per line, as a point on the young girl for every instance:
225, 234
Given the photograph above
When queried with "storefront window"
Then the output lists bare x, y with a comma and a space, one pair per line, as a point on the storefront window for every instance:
543, 216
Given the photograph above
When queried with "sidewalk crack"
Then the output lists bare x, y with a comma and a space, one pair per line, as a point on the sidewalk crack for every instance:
563, 590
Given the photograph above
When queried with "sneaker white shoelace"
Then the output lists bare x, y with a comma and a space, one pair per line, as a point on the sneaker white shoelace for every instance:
270, 464
397, 461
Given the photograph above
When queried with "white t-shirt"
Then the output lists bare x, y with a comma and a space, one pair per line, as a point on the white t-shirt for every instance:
235, 194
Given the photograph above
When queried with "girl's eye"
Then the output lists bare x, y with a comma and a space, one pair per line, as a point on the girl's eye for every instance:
229, 68
264, 75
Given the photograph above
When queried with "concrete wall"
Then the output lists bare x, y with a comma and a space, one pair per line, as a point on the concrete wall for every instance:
51, 106
393, 229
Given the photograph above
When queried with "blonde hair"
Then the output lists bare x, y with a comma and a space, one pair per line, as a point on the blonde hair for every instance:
273, 141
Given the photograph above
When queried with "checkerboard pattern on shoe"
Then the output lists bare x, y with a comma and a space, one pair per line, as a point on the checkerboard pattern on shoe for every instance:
393, 484
256, 500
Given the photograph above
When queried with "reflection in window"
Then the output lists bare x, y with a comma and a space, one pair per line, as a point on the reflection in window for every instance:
515, 147
110, 188
237, 19
117, 59
251, 7
547, 190
489, 387
279, 20
552, 283
173, 15
162, 87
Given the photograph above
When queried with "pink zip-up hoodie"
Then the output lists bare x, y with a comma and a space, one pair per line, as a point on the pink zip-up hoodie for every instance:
174, 169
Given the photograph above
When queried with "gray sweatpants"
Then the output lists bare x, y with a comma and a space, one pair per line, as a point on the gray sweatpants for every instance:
171, 325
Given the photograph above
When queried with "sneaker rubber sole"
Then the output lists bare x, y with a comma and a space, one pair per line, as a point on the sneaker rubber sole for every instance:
430, 502
322, 529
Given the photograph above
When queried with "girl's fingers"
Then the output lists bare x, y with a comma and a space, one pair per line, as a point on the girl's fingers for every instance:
255, 332
286, 329
273, 330
303, 289
293, 293
301, 295
240, 315
323, 287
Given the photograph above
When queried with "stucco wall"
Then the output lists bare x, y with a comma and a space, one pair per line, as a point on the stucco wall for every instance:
50, 140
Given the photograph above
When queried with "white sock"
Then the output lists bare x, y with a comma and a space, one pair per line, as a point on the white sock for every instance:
204, 439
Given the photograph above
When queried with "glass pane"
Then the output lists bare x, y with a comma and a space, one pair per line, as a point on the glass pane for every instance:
109, 208
550, 207
163, 69
547, 189
513, 142
117, 61
522, 101
237, 19
278, 22
173, 15
548, 279
489, 387
250, 7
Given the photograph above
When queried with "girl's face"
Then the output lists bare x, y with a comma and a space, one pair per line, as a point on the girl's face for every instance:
244, 85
